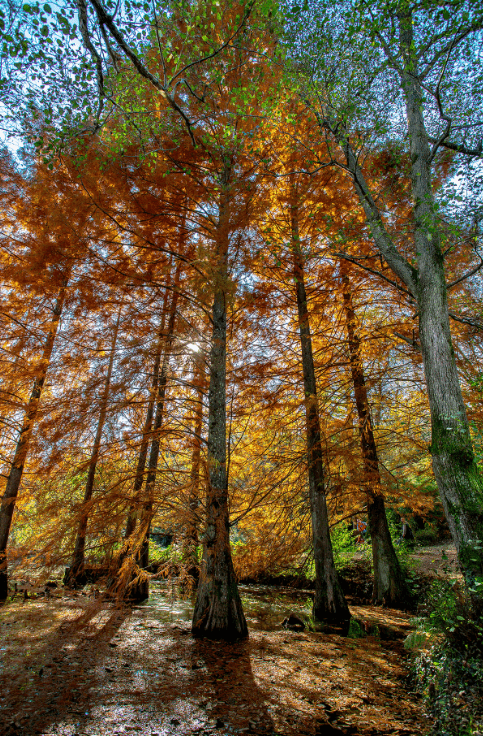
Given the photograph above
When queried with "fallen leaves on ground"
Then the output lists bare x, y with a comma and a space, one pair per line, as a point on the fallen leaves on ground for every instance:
74, 667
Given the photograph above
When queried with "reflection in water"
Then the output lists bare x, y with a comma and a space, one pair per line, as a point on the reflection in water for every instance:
265, 606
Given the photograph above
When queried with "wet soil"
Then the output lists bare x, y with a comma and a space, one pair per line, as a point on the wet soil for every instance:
72, 665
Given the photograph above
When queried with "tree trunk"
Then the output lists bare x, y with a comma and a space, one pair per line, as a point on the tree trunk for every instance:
191, 539
329, 601
118, 581
455, 469
140, 590
18, 463
459, 482
147, 428
78, 556
218, 610
389, 585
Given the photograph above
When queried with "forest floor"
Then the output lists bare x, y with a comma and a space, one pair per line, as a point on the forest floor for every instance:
439, 559
72, 665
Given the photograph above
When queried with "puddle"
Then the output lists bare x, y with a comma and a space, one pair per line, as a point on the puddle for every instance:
265, 607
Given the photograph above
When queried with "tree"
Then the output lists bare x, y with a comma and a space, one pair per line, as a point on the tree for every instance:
218, 610
410, 57
329, 600
77, 563
191, 537
389, 585
18, 462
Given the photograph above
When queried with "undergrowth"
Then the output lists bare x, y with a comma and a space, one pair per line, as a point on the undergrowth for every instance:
448, 661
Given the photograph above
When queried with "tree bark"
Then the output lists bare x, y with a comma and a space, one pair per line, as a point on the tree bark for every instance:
78, 556
330, 604
140, 590
191, 538
218, 611
459, 482
9, 498
455, 469
389, 585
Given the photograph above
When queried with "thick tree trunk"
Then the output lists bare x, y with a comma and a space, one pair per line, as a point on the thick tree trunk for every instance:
455, 469
78, 556
459, 482
389, 584
218, 610
329, 601
18, 463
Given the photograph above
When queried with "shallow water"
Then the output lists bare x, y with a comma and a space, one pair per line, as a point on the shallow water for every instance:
265, 606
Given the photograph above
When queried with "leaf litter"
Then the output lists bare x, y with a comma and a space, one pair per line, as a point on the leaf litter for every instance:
71, 666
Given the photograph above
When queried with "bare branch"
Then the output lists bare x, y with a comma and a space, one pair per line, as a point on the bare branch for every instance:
466, 320
375, 272
466, 275
459, 147
410, 341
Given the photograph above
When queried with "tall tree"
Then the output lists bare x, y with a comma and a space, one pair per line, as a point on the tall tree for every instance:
389, 583
191, 535
329, 600
141, 589
78, 555
9, 497
218, 610
410, 61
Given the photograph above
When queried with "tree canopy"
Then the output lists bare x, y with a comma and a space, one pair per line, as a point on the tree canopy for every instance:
241, 296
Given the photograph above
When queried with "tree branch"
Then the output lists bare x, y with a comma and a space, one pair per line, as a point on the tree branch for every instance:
459, 147
106, 20
410, 341
356, 262
465, 320
466, 275
399, 265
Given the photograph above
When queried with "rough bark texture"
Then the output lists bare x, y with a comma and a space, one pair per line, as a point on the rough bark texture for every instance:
78, 556
459, 482
329, 601
389, 584
454, 465
218, 610
15, 477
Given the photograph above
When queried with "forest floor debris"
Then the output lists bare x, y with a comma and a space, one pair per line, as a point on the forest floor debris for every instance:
438, 559
71, 666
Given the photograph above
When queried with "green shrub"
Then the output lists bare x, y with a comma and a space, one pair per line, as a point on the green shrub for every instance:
449, 669
428, 535
158, 554
344, 544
